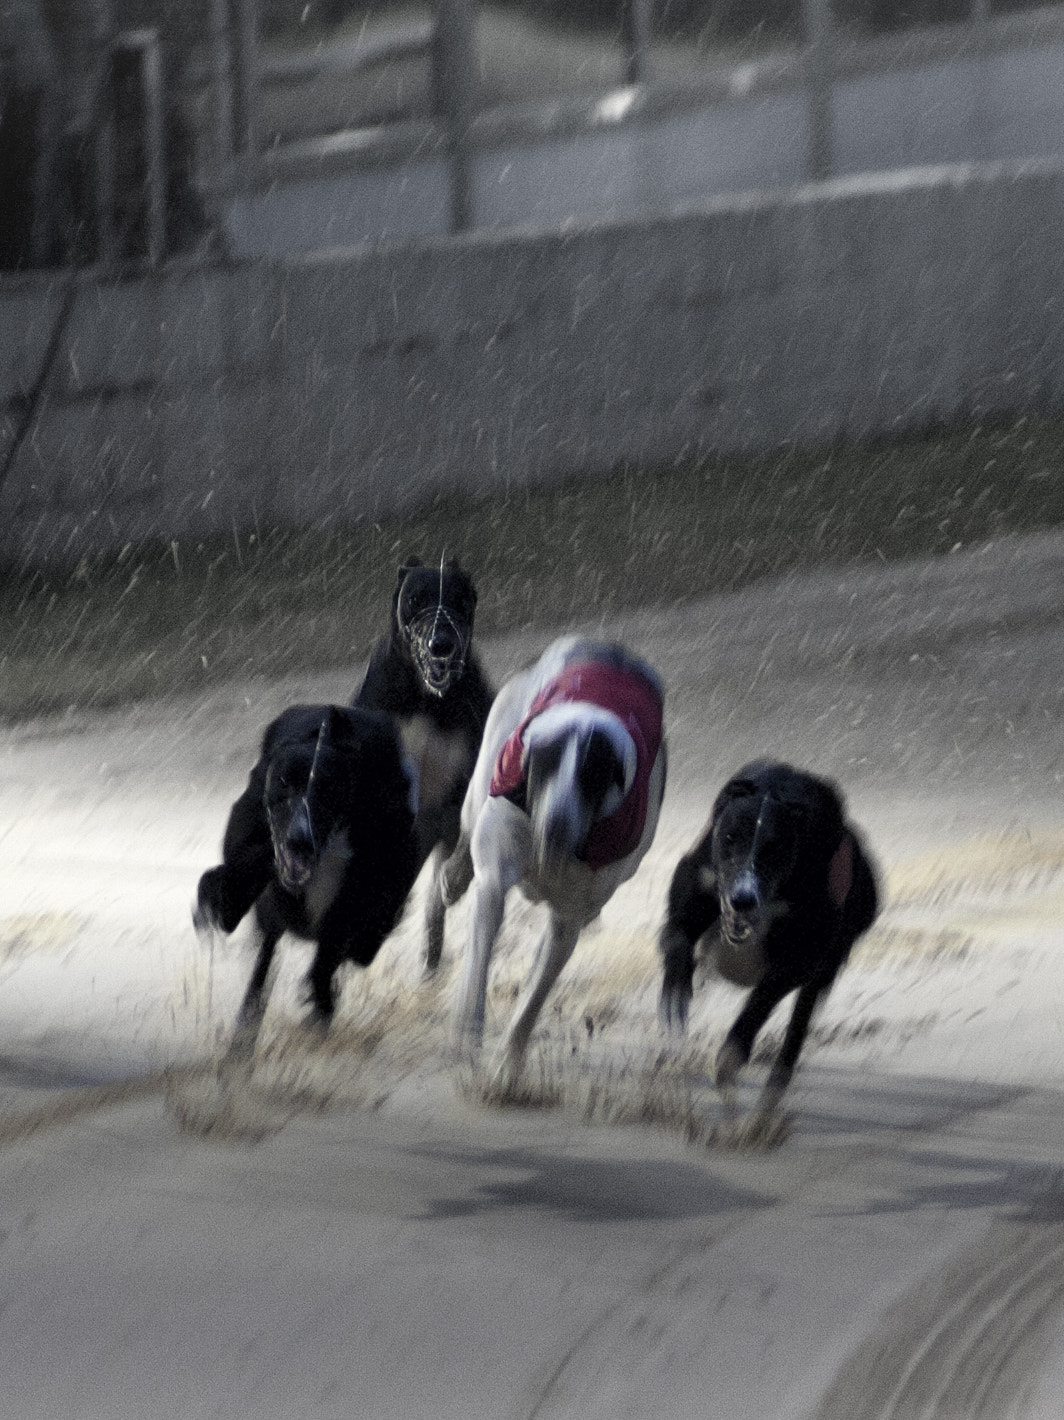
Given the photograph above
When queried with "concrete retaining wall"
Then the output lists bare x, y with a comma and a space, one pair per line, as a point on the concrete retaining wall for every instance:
355, 383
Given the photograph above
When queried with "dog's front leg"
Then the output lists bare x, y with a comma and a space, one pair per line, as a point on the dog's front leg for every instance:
693, 907
270, 927
501, 848
489, 902
555, 949
739, 1042
763, 1123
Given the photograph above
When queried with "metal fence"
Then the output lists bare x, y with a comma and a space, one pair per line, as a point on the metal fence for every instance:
160, 123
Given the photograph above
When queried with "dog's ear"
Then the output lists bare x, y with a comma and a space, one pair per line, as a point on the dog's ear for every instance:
340, 727
455, 569
738, 787
840, 871
400, 577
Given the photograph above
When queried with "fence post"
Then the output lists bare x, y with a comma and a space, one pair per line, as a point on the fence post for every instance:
455, 98
816, 17
137, 62
101, 133
979, 25
245, 22
221, 98
30, 84
636, 27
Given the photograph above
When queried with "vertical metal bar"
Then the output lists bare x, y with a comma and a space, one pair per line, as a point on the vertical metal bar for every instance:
245, 29
101, 129
221, 97
982, 128
816, 15
151, 80
29, 66
636, 28
455, 99
44, 221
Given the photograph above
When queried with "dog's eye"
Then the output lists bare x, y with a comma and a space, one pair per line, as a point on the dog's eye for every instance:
776, 855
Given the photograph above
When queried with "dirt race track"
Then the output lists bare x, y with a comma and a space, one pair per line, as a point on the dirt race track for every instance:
352, 1232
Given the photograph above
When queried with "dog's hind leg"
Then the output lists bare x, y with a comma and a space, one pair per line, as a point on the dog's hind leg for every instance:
435, 911
555, 949
456, 873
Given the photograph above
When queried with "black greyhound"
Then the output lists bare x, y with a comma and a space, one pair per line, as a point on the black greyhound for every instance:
777, 890
426, 674
322, 844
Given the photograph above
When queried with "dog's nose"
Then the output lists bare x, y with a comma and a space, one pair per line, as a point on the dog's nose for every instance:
744, 895
442, 643
300, 837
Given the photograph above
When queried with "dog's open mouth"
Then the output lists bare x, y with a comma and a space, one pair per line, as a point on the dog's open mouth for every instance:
295, 867
438, 643
438, 672
739, 928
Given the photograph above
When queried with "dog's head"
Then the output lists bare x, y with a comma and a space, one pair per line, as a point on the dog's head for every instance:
433, 611
756, 841
779, 839
324, 760
579, 764
300, 798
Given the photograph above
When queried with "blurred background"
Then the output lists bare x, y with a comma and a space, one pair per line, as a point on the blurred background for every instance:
141, 128
621, 301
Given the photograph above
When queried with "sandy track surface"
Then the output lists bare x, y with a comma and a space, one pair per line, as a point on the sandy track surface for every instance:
353, 1231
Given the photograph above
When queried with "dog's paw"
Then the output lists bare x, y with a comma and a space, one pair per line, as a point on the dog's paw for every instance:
465, 1049
729, 1062
673, 1008
241, 1048
430, 962
208, 910
506, 1079
203, 919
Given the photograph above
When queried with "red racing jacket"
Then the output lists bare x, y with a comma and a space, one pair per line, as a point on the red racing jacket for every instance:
638, 705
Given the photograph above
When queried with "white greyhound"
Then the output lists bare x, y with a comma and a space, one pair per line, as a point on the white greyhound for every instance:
563, 802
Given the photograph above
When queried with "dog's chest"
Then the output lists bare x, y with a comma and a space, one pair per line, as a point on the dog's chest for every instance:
441, 758
741, 963
321, 891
